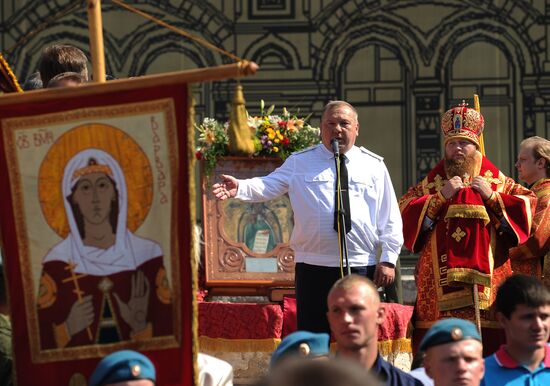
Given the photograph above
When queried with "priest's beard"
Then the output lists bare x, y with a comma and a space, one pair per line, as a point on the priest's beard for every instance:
461, 167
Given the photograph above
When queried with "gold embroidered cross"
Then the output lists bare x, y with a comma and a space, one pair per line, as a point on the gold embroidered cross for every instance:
488, 176
458, 234
437, 183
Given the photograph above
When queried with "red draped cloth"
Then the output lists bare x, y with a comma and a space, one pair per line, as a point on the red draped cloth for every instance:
240, 320
467, 245
239, 327
259, 327
467, 241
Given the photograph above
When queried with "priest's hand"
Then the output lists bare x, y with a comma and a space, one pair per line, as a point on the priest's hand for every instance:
451, 187
134, 312
225, 189
80, 316
384, 274
480, 185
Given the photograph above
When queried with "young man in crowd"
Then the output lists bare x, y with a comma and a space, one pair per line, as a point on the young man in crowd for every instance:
66, 79
454, 353
124, 368
523, 310
301, 344
60, 58
355, 315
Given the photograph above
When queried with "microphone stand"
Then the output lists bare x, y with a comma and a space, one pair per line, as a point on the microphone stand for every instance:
342, 241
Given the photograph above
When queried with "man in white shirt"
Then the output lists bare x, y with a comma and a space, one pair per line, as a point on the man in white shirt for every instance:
309, 178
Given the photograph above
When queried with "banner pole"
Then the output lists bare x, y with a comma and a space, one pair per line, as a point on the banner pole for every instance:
477, 107
95, 28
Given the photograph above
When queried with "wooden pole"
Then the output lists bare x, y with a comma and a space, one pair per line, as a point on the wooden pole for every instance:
481, 140
196, 75
477, 107
476, 308
95, 27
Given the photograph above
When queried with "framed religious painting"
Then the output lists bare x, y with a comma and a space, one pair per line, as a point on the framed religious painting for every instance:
96, 223
247, 243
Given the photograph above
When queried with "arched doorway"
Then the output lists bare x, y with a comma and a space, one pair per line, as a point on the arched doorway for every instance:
482, 67
374, 80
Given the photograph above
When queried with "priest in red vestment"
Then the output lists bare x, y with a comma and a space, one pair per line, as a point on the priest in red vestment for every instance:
462, 218
533, 166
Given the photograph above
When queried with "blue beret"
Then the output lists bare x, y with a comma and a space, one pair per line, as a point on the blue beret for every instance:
447, 331
302, 343
124, 365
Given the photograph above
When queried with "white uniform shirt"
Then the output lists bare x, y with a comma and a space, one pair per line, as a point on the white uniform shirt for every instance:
214, 371
309, 179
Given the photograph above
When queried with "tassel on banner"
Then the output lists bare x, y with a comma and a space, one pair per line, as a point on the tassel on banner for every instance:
240, 134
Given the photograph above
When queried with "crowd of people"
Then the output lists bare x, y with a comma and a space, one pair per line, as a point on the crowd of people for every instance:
452, 348
474, 229
483, 273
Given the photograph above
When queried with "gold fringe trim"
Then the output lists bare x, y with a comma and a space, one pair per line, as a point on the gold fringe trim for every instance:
484, 304
453, 304
238, 345
468, 211
193, 220
401, 345
467, 275
386, 347
11, 75
484, 323
461, 302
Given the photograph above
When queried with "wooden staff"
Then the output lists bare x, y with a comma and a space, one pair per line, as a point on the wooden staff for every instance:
476, 291
95, 27
481, 141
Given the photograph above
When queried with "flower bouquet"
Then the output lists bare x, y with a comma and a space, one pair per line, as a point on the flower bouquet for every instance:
275, 136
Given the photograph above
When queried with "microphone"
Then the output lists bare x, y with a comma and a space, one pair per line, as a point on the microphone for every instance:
335, 148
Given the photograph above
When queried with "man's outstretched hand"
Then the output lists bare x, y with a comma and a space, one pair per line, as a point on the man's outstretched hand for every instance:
227, 188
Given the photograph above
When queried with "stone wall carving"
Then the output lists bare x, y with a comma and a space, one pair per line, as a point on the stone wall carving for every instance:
401, 62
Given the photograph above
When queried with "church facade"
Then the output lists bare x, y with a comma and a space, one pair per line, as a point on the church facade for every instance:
401, 63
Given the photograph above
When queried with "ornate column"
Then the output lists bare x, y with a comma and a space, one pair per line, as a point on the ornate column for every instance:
533, 105
546, 22
427, 112
543, 82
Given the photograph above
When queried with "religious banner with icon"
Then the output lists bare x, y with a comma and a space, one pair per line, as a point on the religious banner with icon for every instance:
97, 229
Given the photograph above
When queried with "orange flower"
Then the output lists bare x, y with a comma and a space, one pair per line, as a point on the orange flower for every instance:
295, 124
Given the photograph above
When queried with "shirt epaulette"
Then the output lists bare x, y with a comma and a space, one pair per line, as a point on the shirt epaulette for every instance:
373, 155
306, 149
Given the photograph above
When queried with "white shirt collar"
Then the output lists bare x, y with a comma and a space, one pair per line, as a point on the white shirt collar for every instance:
349, 154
